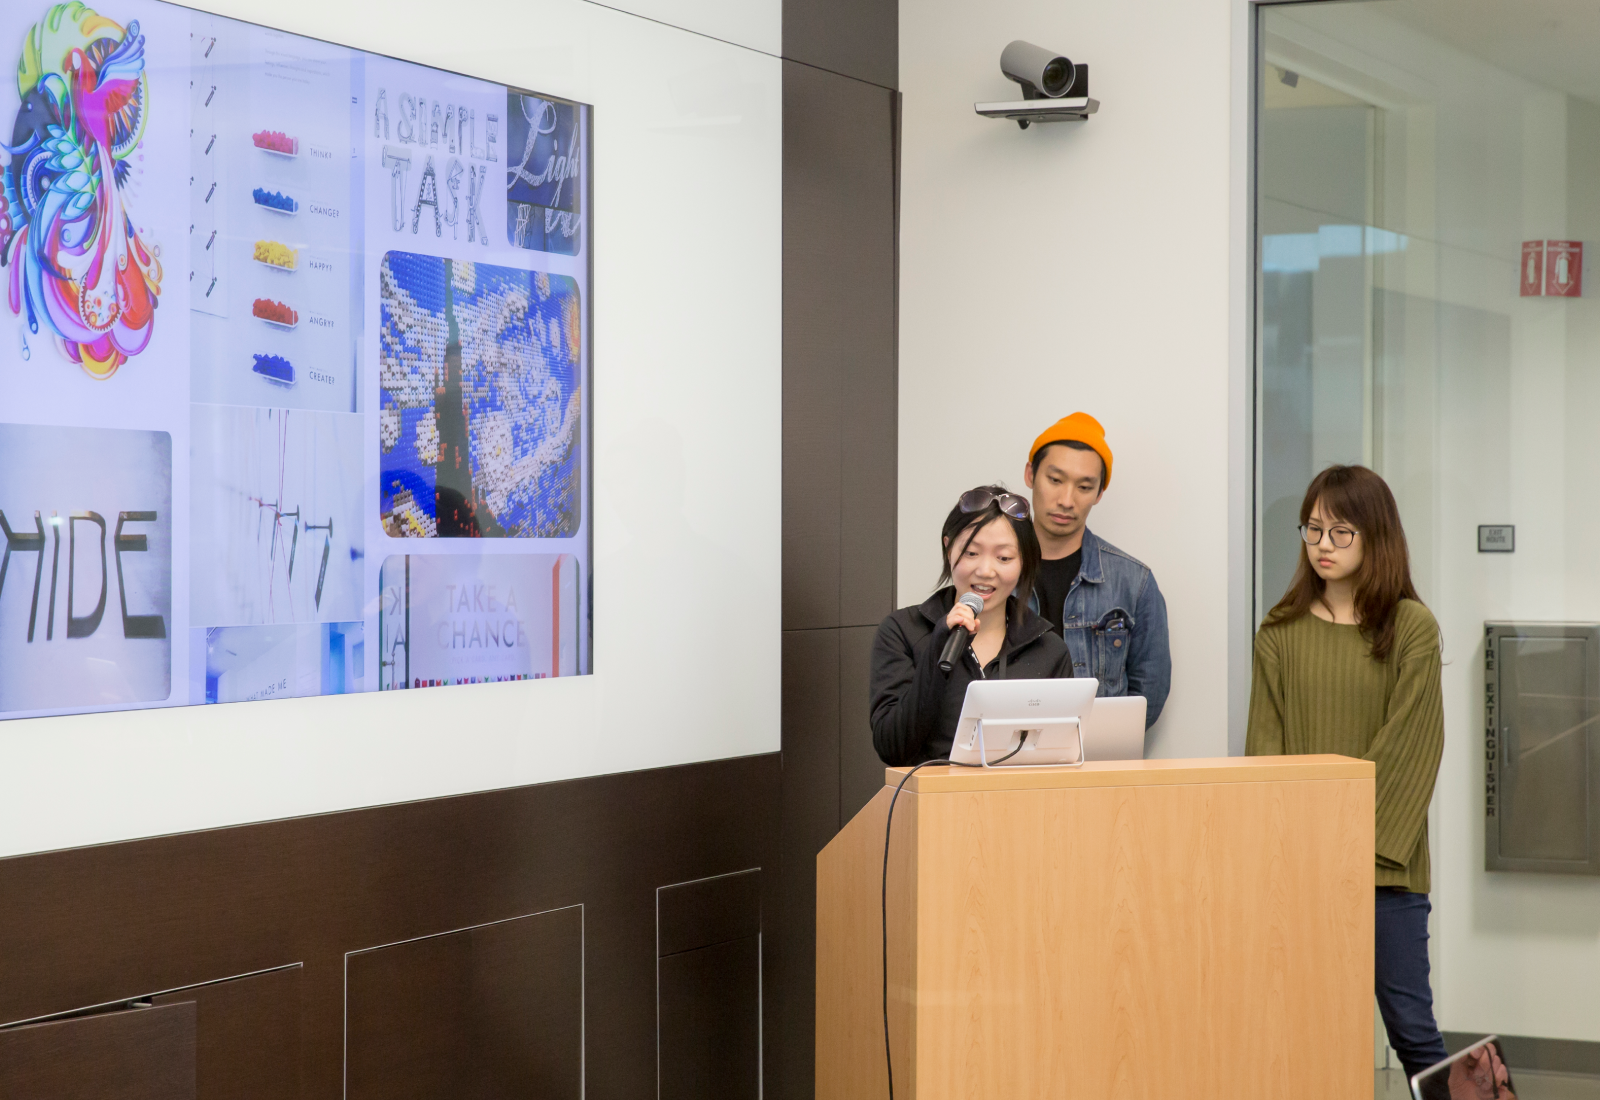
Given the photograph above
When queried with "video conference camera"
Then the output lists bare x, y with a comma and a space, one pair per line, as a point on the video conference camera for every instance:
1053, 88
1041, 72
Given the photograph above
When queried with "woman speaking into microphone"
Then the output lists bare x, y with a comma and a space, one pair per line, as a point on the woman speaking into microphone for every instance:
990, 553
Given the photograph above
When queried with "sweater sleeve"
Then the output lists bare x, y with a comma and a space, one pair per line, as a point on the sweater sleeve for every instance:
1264, 733
906, 683
1407, 747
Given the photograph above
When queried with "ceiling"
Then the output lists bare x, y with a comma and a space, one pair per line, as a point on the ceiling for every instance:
1284, 87
1555, 43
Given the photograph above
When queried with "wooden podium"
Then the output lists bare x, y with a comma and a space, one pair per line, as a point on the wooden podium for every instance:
1163, 929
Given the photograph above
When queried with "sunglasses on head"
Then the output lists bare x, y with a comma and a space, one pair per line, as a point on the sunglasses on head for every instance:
976, 500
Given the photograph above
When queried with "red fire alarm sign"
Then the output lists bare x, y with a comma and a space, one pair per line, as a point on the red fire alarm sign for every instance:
1563, 269
1532, 269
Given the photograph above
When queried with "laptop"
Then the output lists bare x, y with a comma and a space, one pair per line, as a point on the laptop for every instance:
1114, 728
995, 714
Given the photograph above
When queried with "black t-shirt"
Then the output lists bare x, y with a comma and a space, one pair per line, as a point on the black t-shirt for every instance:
1055, 578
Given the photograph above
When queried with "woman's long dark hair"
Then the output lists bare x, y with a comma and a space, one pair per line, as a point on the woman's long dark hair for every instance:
968, 524
1356, 496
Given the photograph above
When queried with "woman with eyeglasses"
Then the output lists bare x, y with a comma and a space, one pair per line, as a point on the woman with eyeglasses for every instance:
988, 548
1348, 663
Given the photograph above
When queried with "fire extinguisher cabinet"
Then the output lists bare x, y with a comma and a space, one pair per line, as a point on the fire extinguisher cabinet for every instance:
1542, 747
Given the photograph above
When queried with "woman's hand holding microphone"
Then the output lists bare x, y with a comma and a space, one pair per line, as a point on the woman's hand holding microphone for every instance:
962, 614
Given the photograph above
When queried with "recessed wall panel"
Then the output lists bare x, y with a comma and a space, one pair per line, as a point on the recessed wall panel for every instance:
710, 1039
247, 1044
491, 1011
131, 1054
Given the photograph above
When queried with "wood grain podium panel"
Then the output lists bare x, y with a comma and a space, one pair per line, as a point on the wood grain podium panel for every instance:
1122, 773
850, 1054
1116, 935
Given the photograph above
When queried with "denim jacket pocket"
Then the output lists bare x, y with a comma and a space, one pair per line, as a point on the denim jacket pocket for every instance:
1111, 637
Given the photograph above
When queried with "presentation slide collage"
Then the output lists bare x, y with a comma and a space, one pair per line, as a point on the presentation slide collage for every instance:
294, 368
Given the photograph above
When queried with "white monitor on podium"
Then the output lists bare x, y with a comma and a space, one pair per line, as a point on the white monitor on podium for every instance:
1023, 722
1063, 721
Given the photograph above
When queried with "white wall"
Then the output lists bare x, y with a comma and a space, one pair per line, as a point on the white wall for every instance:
1107, 267
757, 24
1091, 266
687, 155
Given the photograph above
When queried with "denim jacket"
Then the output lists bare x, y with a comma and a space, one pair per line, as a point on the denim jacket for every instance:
1115, 625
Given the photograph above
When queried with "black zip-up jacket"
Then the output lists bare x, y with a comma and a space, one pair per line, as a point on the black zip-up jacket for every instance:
915, 707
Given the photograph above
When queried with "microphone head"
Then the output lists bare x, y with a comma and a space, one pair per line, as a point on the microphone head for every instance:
973, 601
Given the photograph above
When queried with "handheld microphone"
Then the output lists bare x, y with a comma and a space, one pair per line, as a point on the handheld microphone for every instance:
960, 638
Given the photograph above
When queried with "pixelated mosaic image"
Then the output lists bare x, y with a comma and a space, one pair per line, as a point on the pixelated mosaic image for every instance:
481, 400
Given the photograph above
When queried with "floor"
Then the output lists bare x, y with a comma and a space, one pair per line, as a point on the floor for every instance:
1390, 1084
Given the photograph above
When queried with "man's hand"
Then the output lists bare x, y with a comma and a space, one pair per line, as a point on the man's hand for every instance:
1480, 1076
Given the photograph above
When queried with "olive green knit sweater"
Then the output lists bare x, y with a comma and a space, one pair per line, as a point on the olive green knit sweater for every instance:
1317, 689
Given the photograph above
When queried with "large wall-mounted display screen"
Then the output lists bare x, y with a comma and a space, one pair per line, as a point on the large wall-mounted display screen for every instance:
295, 367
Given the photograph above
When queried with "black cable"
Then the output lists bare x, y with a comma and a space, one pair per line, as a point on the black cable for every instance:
888, 826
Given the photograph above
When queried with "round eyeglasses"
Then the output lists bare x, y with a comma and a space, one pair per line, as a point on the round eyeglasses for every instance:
976, 500
1342, 537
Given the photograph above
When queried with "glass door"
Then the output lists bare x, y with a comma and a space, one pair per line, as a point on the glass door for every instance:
1428, 210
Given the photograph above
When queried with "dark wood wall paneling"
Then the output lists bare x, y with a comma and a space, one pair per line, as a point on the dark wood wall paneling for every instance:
855, 38
708, 946
492, 1012
252, 1035
143, 1054
451, 910
840, 414
580, 862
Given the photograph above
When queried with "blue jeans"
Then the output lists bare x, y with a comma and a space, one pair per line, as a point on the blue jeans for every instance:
1405, 997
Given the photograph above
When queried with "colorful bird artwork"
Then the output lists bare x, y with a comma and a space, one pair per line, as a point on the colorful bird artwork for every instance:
76, 266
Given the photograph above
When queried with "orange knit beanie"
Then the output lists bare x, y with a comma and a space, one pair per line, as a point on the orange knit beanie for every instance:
1080, 427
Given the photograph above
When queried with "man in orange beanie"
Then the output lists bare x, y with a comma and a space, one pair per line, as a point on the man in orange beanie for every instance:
1103, 602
